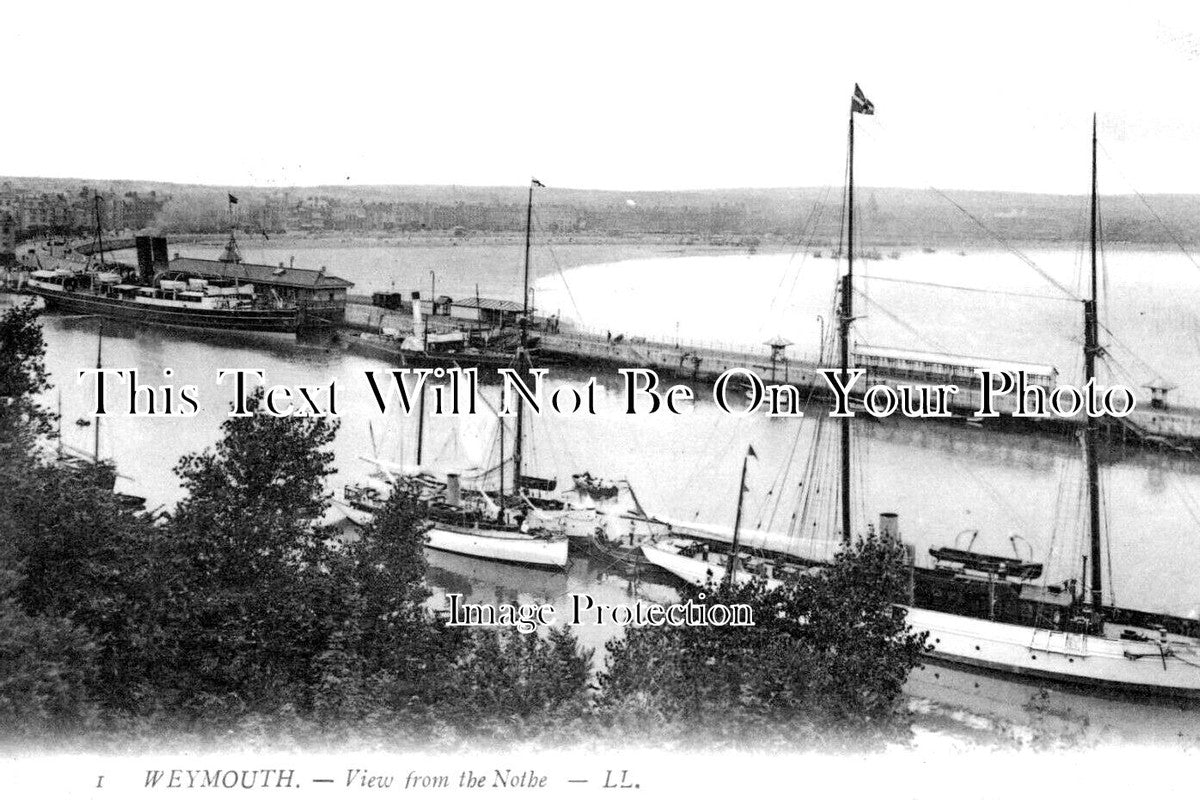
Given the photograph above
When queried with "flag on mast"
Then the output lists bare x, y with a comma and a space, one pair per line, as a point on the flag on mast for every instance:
232, 200
859, 104
750, 452
538, 183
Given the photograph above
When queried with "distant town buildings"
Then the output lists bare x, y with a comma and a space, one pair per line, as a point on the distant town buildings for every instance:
8, 239
37, 213
324, 213
200, 210
738, 217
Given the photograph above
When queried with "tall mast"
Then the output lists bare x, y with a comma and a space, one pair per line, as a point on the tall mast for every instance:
859, 104
521, 355
844, 319
731, 572
420, 423
99, 365
500, 427
99, 231
1091, 348
59, 448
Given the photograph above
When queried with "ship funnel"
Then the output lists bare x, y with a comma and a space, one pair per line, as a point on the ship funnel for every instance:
418, 320
158, 250
145, 257
453, 493
889, 526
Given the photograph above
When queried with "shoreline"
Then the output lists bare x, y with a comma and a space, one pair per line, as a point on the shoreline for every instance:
732, 243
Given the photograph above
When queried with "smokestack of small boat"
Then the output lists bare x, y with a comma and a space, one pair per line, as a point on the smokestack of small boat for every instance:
889, 531
889, 526
418, 320
453, 493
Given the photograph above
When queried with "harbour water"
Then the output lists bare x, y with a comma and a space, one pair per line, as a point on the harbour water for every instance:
1020, 492
1005, 309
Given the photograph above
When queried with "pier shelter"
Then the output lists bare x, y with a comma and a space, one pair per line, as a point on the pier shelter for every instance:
486, 311
311, 289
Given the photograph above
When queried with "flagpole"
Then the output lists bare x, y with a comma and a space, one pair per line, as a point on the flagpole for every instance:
847, 314
518, 440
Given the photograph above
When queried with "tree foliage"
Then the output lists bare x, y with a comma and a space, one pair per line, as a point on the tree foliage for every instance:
45, 663
23, 377
519, 680
246, 575
827, 657
72, 559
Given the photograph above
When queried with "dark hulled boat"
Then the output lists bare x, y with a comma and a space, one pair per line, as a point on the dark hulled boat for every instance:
223, 296
153, 294
175, 300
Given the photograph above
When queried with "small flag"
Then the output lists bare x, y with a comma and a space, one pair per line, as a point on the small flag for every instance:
859, 104
264, 233
232, 200
538, 183
750, 452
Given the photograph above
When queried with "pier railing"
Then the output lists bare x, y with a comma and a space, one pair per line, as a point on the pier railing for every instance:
701, 361
706, 347
581, 338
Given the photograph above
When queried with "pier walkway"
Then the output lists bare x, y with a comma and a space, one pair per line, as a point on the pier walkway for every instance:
1176, 428
699, 361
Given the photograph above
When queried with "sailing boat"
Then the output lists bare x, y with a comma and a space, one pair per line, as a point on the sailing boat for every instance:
462, 520
78, 459
475, 522
509, 535
687, 560
702, 561
522, 525
985, 615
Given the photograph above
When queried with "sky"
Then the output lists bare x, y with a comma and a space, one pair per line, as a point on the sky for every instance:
604, 95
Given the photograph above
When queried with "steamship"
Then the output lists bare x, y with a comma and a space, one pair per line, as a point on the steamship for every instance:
224, 296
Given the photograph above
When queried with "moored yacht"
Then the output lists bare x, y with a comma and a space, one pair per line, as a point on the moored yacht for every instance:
982, 615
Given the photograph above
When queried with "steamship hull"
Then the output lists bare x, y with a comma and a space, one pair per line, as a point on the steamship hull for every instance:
266, 322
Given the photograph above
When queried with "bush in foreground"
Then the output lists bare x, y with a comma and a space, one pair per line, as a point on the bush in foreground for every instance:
825, 661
